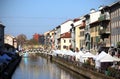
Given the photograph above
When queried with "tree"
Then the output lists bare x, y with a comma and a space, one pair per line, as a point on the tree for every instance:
21, 39
32, 42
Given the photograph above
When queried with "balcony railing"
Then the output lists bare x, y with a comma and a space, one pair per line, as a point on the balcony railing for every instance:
104, 31
87, 38
105, 16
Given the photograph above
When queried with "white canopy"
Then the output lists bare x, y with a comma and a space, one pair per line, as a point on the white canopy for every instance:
88, 54
108, 58
78, 55
101, 55
65, 52
69, 52
57, 52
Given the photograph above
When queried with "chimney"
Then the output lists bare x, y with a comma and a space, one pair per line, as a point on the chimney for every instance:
92, 10
101, 7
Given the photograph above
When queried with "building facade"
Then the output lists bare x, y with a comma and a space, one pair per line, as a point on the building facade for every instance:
61, 29
1, 36
87, 32
115, 22
82, 33
10, 42
94, 28
36, 36
65, 40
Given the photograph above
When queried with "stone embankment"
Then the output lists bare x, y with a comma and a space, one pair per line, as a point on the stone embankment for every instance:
91, 74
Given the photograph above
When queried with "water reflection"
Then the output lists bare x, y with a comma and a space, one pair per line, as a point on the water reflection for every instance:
34, 67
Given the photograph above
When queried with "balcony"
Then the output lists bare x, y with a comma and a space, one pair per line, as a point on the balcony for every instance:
82, 25
104, 31
105, 16
87, 38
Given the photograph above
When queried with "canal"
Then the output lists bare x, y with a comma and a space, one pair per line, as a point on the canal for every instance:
35, 67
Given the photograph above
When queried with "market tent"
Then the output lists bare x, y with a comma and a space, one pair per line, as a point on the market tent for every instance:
98, 57
58, 52
117, 59
108, 58
85, 56
101, 55
71, 53
88, 54
78, 55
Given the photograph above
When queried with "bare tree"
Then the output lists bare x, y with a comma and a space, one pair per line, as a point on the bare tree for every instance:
21, 39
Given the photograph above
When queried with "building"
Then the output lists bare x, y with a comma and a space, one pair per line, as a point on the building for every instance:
104, 26
1, 36
41, 39
47, 39
65, 40
87, 32
10, 42
94, 30
115, 22
82, 33
57, 36
36, 36
52, 37
77, 33
61, 29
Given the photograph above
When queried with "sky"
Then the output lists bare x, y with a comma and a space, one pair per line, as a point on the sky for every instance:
39, 16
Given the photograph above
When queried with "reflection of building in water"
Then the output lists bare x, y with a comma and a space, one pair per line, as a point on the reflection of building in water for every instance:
65, 75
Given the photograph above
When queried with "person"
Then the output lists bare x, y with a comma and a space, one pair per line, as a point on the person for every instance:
70, 47
111, 51
76, 50
81, 48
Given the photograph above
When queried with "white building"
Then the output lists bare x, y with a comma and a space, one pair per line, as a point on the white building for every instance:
65, 40
66, 26
61, 29
11, 40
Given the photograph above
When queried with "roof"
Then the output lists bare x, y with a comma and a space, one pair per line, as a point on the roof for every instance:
7, 35
76, 19
1, 25
66, 35
117, 2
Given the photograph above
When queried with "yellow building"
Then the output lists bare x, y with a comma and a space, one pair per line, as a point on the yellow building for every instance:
79, 26
82, 34
94, 34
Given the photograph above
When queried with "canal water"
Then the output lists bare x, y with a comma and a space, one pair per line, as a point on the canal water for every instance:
35, 67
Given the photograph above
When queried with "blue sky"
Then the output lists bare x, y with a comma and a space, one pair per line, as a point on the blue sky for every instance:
39, 16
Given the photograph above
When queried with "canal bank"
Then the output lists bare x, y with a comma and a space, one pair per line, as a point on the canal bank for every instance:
78, 69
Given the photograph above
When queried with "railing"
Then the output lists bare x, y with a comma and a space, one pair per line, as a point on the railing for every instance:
105, 16
104, 31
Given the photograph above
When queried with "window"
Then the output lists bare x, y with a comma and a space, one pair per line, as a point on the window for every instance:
64, 41
69, 41
82, 33
119, 24
119, 11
